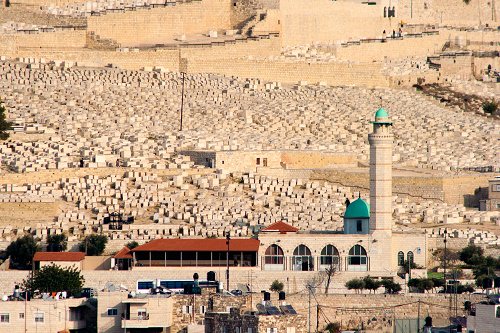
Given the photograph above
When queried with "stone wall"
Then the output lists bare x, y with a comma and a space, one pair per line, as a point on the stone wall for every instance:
308, 21
335, 74
60, 39
408, 47
347, 308
453, 190
454, 12
162, 25
39, 3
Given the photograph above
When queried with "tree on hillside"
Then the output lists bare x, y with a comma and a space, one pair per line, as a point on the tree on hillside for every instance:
329, 272
132, 245
94, 245
21, 252
450, 257
390, 286
54, 278
4, 124
356, 284
57, 243
472, 255
421, 285
371, 284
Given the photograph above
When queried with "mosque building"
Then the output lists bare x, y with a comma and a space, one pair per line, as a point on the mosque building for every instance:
367, 245
368, 242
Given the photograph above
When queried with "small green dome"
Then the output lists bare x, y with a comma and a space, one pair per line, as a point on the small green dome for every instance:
358, 209
381, 113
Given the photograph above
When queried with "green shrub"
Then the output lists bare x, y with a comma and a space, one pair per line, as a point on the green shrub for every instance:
277, 286
490, 107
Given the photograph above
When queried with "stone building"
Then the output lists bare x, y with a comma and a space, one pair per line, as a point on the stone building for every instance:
367, 245
484, 318
39, 315
236, 321
121, 312
493, 201
63, 259
260, 160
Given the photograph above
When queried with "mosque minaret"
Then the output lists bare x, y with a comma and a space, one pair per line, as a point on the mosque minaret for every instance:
381, 140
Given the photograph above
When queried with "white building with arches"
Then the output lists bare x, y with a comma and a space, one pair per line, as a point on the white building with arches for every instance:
367, 244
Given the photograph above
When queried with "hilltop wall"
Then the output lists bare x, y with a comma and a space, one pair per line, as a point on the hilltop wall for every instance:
408, 47
162, 25
58, 3
309, 21
452, 190
335, 74
58, 39
454, 12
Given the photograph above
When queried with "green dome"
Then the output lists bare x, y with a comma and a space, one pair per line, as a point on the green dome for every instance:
381, 113
358, 209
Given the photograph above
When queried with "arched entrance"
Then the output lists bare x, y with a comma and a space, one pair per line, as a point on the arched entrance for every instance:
357, 261
302, 259
329, 256
274, 259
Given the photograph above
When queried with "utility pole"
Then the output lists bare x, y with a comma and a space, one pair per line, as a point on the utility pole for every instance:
228, 238
309, 311
25, 313
445, 260
418, 317
317, 318
182, 99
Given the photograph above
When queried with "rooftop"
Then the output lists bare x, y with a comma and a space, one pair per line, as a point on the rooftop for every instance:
59, 256
357, 209
124, 253
280, 227
200, 245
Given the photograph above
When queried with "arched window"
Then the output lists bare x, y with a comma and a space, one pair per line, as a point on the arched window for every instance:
385, 11
401, 258
302, 259
329, 256
409, 257
393, 11
357, 259
274, 255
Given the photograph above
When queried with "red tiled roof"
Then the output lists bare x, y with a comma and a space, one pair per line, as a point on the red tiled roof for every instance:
123, 254
59, 256
281, 227
200, 245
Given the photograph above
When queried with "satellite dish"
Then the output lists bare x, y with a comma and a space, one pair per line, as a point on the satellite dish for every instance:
5, 298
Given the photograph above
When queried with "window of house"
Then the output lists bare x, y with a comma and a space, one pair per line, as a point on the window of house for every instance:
272, 330
112, 311
203, 309
497, 312
39, 317
142, 314
187, 309
496, 188
21, 315
401, 258
257, 161
290, 330
264, 162
4, 317
359, 226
